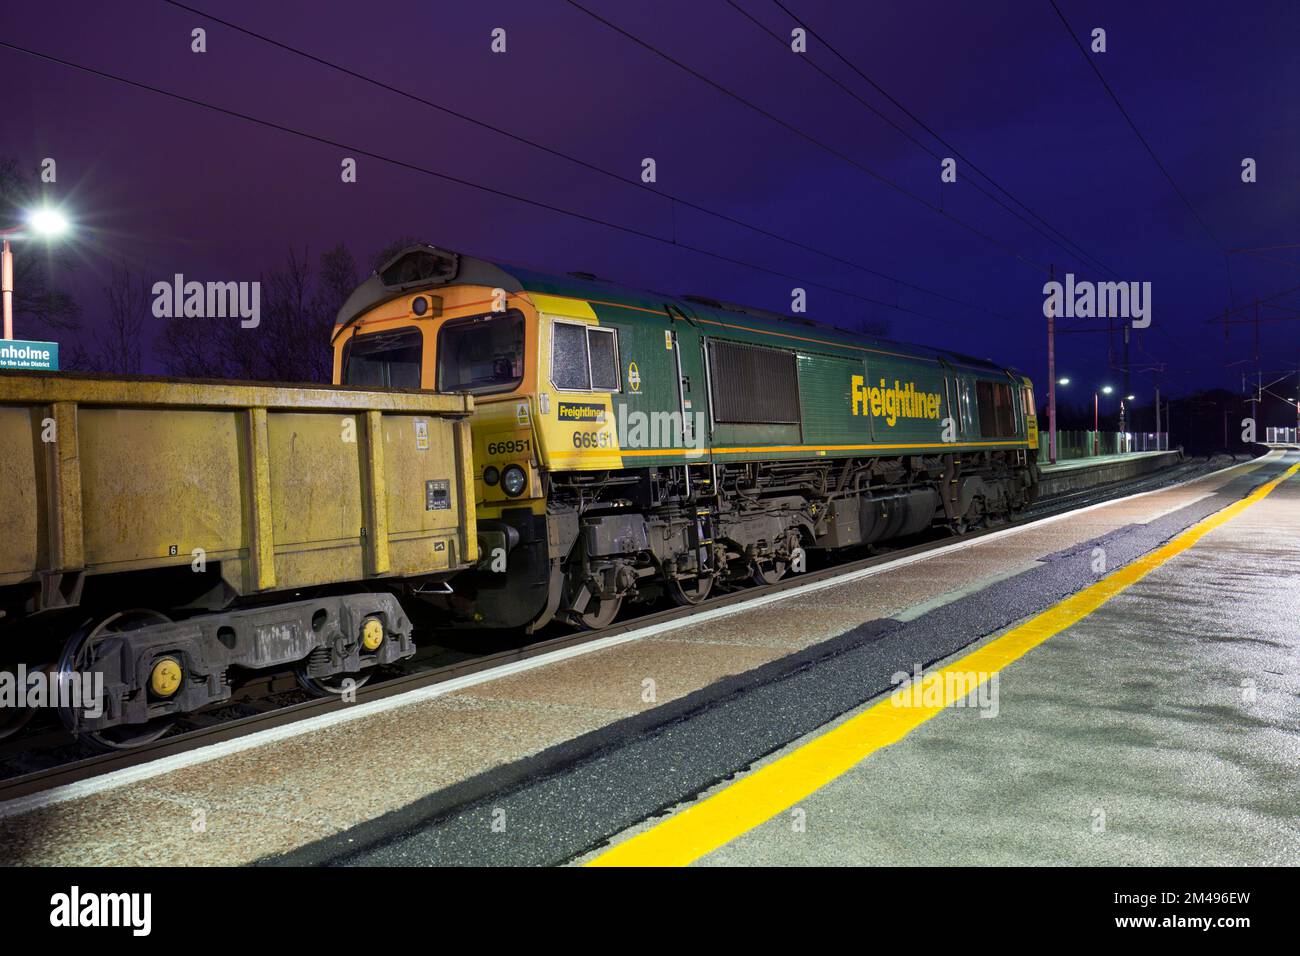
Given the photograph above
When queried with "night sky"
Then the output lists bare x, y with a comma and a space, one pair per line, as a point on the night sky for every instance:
168, 186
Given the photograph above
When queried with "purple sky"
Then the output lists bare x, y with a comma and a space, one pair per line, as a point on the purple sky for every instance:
172, 187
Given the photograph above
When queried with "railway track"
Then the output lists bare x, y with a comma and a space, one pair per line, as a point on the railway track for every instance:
267, 703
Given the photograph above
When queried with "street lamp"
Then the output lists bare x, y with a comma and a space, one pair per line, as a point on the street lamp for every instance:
1096, 412
46, 223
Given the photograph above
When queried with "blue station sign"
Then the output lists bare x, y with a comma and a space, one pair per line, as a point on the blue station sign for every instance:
15, 353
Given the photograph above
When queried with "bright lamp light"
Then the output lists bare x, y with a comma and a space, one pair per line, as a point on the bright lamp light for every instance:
48, 222
1106, 390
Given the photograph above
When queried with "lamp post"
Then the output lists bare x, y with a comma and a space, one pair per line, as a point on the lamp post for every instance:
7, 286
1052, 438
1123, 419
1096, 418
45, 222
1158, 439
1051, 377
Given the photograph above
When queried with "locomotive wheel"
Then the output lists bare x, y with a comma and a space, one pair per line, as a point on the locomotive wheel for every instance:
79, 656
601, 613
332, 686
769, 571
688, 591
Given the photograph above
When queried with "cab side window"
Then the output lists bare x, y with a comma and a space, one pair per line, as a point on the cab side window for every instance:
997, 415
584, 358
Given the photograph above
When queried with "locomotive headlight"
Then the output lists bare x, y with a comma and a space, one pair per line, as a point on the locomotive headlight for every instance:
491, 475
514, 481
430, 305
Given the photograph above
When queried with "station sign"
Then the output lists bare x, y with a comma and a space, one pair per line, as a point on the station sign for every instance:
15, 353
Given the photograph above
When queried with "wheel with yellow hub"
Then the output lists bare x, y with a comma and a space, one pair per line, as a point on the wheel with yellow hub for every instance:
372, 634
79, 657
165, 677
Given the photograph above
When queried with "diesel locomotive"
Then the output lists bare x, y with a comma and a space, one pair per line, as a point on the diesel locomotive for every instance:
629, 445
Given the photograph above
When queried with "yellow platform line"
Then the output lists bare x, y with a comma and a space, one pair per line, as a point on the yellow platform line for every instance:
715, 821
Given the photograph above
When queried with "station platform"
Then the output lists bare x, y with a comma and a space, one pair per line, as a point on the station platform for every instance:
1079, 474
1136, 706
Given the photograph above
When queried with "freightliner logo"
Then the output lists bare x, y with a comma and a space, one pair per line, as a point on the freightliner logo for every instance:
891, 404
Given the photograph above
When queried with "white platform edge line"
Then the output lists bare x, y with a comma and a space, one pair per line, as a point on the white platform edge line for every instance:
155, 768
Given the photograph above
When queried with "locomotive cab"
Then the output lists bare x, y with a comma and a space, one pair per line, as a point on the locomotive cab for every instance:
429, 319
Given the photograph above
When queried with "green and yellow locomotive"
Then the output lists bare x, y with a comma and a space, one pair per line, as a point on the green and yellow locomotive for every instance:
629, 445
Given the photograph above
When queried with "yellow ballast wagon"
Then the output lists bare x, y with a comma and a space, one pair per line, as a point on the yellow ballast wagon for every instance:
167, 538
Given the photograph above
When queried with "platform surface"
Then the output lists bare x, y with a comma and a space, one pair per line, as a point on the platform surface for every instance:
1162, 729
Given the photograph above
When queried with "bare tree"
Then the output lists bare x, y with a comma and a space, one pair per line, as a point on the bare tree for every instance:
118, 346
291, 342
336, 281
191, 349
